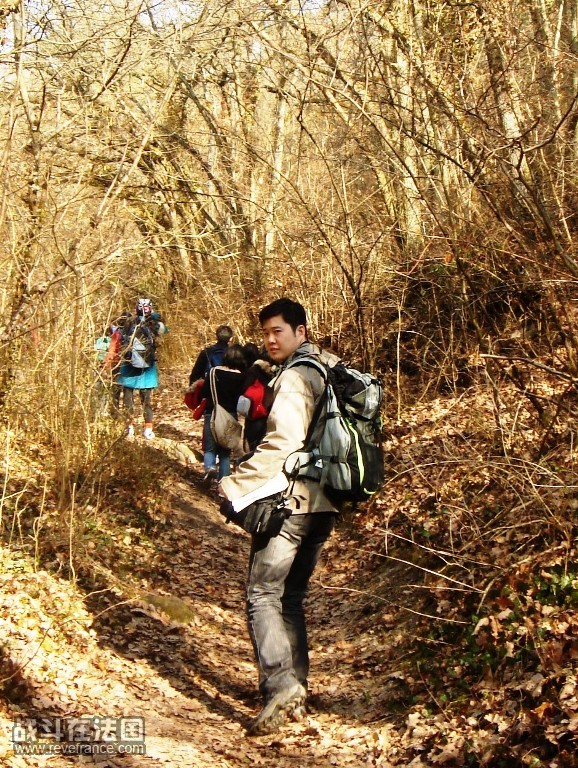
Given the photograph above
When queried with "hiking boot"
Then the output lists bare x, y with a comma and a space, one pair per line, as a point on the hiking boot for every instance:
278, 709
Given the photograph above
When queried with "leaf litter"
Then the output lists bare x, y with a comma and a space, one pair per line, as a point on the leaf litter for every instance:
150, 619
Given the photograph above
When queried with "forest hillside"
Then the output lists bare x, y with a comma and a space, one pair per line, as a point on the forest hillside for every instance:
442, 618
407, 171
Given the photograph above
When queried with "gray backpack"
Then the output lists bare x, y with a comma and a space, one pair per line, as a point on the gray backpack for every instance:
342, 450
140, 352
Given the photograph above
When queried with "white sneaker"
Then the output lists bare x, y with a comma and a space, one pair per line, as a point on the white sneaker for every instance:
130, 432
210, 476
148, 434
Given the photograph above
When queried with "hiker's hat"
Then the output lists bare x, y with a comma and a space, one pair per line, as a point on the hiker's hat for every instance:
144, 306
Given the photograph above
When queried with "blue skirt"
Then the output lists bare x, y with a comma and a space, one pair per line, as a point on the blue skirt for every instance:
138, 378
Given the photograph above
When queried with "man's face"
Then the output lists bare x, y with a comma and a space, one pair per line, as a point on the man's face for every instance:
280, 339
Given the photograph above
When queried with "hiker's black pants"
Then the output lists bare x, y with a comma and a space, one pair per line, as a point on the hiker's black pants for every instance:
146, 400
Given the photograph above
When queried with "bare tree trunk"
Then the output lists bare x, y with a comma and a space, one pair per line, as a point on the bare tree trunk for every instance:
277, 150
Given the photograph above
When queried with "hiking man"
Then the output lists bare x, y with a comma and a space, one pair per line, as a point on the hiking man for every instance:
113, 359
209, 358
280, 566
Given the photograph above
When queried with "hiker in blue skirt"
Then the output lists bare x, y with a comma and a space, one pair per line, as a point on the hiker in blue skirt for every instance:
139, 369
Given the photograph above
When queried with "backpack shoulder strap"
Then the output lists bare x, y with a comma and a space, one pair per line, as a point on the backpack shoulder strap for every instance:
132, 334
313, 362
214, 357
213, 385
310, 362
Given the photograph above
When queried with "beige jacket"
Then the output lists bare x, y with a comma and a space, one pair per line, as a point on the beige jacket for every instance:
295, 392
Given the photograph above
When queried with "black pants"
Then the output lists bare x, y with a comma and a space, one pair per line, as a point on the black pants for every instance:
146, 400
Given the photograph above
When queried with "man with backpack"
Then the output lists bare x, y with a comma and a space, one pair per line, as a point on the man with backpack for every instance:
281, 565
211, 356
208, 358
113, 360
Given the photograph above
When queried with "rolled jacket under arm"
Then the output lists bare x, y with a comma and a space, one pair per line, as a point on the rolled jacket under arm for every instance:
295, 392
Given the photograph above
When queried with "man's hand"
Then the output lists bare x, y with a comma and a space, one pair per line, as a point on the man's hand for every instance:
226, 509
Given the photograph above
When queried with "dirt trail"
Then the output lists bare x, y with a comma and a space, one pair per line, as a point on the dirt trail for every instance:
201, 692
181, 656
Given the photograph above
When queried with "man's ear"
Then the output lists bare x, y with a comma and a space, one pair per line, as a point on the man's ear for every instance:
301, 332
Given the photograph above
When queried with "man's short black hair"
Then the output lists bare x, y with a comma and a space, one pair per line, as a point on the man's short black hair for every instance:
291, 311
224, 334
